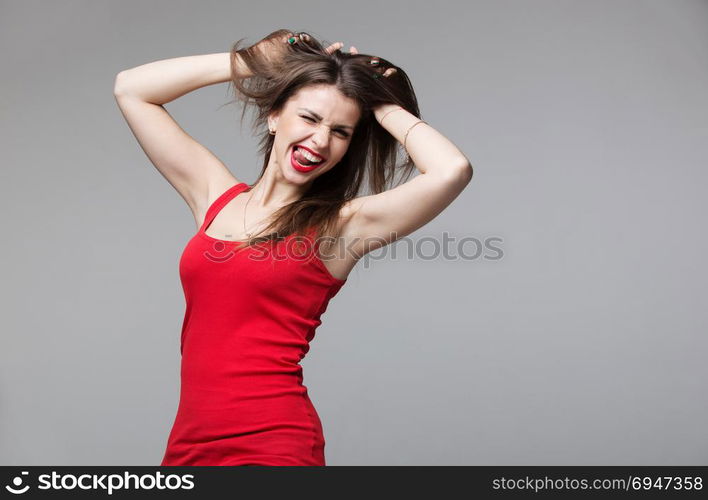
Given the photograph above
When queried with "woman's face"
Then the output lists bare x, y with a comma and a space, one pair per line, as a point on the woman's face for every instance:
318, 121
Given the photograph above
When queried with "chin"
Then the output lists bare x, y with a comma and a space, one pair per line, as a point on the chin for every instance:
295, 177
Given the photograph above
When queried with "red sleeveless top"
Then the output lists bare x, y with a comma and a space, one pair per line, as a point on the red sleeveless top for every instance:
250, 315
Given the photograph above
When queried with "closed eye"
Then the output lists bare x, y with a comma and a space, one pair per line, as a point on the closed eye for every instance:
310, 119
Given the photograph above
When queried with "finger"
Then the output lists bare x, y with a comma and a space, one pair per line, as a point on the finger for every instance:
333, 47
353, 50
389, 71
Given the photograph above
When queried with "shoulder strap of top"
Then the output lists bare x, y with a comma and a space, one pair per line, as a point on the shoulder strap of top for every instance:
222, 200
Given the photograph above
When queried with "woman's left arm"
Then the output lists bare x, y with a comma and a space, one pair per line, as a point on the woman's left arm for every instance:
431, 151
382, 218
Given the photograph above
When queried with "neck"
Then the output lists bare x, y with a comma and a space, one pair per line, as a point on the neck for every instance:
273, 191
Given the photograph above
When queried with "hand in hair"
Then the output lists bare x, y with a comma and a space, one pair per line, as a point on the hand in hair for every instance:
374, 62
353, 50
273, 47
306, 38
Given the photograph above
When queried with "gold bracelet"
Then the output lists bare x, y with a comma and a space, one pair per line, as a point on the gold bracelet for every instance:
405, 137
387, 113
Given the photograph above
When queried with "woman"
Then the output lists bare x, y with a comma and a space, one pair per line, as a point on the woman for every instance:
254, 297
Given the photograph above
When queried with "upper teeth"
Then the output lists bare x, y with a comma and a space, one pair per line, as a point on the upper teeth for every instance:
308, 155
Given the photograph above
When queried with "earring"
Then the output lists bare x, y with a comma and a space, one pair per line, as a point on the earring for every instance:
272, 132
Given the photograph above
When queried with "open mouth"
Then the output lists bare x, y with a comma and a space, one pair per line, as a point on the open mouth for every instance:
301, 162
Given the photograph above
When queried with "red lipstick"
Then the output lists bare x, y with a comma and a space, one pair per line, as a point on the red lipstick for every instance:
303, 168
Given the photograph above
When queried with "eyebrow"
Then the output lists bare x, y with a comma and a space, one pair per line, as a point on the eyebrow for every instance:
319, 118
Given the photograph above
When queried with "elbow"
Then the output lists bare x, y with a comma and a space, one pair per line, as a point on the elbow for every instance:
462, 174
467, 172
456, 177
119, 83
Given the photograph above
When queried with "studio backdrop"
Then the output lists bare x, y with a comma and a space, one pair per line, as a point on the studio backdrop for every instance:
554, 314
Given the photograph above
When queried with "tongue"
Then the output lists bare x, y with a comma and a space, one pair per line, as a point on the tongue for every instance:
301, 159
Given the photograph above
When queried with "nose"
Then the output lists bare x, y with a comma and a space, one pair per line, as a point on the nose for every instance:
321, 136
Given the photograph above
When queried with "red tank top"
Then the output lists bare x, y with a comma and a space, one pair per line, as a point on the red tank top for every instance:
250, 315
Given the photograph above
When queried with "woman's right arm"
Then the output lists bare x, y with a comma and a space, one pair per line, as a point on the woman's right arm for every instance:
140, 92
163, 81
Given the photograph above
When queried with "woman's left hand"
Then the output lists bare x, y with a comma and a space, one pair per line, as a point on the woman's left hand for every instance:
374, 61
383, 109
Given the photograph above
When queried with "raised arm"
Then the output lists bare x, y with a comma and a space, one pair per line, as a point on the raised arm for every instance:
380, 219
141, 92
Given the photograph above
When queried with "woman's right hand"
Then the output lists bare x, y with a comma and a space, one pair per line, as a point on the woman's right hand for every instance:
306, 38
275, 46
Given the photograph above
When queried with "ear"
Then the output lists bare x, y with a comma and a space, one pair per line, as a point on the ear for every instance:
273, 120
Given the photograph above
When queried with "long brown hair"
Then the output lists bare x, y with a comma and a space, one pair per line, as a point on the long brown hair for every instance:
372, 155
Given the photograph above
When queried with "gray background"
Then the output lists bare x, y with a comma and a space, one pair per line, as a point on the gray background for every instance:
587, 125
